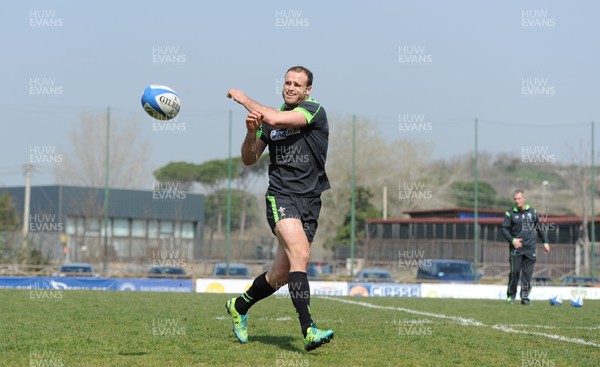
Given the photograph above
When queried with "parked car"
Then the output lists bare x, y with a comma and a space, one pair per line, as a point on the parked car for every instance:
373, 275
76, 270
579, 280
235, 270
447, 270
166, 271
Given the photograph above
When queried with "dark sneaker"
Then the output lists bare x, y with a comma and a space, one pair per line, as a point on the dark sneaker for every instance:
525, 302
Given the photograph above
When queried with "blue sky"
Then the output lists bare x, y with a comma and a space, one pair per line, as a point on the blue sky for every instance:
527, 69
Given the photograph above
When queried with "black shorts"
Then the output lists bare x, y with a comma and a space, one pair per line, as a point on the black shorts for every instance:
305, 209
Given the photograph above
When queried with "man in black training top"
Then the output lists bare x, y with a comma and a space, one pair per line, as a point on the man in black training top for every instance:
297, 136
520, 228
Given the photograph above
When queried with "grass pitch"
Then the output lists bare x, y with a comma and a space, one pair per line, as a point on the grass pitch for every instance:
99, 328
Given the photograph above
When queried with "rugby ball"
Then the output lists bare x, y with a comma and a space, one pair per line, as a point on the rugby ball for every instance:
577, 301
160, 102
556, 301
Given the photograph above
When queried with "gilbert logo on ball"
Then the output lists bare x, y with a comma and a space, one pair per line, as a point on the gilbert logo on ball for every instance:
160, 102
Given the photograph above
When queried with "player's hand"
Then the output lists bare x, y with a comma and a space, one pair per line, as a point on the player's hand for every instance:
236, 94
546, 248
253, 121
517, 243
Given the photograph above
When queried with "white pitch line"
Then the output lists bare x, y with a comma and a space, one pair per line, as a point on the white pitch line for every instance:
465, 321
555, 327
458, 319
508, 329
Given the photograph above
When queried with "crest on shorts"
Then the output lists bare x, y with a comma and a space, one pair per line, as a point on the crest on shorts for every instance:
281, 212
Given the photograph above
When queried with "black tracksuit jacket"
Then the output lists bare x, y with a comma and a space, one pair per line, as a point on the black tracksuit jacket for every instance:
523, 224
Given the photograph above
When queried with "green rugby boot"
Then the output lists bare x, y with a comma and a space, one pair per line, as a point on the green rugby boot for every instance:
315, 338
239, 321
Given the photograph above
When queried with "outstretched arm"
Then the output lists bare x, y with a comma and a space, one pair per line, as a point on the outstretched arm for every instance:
270, 116
252, 147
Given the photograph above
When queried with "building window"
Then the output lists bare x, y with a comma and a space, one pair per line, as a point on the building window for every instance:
104, 229
187, 230
120, 227
92, 227
71, 226
167, 229
138, 228
152, 229
80, 226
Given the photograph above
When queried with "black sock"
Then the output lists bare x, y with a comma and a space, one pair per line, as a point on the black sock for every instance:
300, 295
259, 289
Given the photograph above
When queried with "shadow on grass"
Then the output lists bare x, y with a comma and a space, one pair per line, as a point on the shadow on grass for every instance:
284, 342
132, 353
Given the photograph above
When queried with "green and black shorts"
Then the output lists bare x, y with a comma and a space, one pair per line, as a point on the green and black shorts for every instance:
305, 209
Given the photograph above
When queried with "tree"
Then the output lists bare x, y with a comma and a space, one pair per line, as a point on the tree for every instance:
240, 201
578, 179
380, 162
463, 194
178, 172
9, 224
212, 176
246, 174
364, 211
9, 218
86, 165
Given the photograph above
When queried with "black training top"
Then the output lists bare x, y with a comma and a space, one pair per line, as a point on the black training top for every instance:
524, 224
298, 155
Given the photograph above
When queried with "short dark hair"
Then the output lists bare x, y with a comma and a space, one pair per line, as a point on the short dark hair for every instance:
302, 69
518, 191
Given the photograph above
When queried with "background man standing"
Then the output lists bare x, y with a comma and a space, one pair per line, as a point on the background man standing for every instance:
520, 228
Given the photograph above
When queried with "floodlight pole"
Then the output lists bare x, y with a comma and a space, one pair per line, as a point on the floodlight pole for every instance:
593, 196
228, 215
476, 206
105, 208
353, 199
27, 168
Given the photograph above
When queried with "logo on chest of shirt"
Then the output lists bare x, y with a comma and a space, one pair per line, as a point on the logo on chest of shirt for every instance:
280, 134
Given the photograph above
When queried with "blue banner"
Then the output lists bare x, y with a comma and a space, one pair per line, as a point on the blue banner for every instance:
384, 290
125, 284
155, 285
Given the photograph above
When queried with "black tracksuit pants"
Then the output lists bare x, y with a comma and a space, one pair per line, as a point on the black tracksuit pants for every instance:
520, 264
